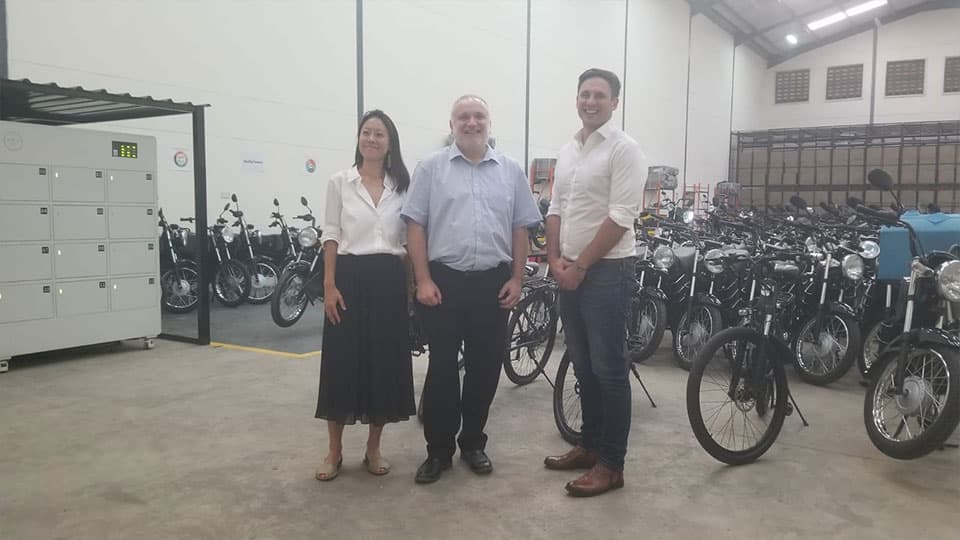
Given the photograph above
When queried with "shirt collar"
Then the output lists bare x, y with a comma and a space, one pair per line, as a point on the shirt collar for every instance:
388, 182
605, 131
490, 155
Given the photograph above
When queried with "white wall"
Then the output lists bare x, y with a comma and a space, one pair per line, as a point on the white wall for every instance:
281, 83
280, 77
711, 85
931, 35
420, 56
748, 79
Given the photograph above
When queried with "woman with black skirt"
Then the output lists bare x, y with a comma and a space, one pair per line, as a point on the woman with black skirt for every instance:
366, 372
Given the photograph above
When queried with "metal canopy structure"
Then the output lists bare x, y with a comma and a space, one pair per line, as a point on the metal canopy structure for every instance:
50, 104
763, 25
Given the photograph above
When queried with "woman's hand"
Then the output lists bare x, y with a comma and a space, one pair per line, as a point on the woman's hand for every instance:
332, 299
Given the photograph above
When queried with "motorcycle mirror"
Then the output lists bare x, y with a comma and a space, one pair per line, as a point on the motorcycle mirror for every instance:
303, 201
880, 179
798, 202
249, 226
276, 202
233, 197
226, 207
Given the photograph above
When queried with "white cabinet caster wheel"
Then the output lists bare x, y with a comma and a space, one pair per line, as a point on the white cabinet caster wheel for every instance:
4, 365
148, 343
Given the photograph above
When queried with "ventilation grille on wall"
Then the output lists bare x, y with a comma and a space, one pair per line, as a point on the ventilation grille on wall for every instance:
951, 75
845, 82
793, 86
905, 77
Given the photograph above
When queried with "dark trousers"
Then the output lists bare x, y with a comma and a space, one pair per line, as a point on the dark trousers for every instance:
594, 321
470, 314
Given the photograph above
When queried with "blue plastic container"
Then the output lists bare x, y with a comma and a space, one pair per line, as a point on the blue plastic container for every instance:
937, 232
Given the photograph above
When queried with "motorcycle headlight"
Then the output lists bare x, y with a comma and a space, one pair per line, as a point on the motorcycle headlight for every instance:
852, 267
869, 249
227, 234
948, 280
663, 257
713, 261
811, 245
308, 237
687, 216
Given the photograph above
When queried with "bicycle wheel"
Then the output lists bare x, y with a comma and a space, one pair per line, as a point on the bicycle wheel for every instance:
566, 402
729, 403
530, 337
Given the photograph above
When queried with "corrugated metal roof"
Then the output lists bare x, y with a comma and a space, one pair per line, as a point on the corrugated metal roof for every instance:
49, 103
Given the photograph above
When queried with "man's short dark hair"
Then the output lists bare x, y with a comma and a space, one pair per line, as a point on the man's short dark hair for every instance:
608, 76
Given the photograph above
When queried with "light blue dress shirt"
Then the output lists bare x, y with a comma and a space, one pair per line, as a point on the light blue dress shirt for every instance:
470, 210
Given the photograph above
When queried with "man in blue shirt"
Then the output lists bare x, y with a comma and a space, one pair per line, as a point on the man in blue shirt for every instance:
467, 211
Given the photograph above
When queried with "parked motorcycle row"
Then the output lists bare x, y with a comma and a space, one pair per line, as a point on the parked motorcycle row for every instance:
246, 266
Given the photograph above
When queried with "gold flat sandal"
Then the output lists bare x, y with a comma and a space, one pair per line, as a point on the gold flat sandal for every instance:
377, 467
328, 471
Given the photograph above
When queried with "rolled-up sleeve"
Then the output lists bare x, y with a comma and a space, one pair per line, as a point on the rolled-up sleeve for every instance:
333, 211
556, 201
627, 181
525, 211
416, 207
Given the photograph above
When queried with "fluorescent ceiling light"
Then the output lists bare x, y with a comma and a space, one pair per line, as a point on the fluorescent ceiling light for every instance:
791, 39
827, 21
866, 6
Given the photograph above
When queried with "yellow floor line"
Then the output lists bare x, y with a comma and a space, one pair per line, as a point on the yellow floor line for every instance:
281, 354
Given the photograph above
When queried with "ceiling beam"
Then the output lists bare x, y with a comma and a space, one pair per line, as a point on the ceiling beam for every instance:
731, 28
865, 26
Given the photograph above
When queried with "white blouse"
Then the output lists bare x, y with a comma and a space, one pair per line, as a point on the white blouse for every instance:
357, 225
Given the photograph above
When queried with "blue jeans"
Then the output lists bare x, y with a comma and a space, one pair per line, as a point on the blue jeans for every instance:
594, 321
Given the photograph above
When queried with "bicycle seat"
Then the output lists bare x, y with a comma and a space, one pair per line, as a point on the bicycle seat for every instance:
787, 270
685, 258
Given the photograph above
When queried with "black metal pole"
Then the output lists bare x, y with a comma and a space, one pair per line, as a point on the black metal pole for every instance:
359, 60
526, 105
623, 76
200, 209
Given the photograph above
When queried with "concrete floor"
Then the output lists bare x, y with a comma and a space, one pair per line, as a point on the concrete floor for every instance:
198, 442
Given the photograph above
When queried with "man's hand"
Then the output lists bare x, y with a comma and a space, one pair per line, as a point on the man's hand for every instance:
428, 293
332, 300
510, 293
568, 276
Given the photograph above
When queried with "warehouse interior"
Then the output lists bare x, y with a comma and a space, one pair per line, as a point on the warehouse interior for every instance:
197, 421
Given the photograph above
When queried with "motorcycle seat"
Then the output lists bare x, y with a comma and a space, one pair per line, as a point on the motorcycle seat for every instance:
786, 270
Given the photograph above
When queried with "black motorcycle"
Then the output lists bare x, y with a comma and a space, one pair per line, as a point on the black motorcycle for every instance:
264, 274
179, 275
302, 281
231, 280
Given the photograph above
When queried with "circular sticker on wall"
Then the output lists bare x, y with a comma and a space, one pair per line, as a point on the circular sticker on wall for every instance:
180, 159
310, 166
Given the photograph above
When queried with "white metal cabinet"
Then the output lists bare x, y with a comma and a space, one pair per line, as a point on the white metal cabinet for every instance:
131, 187
80, 222
25, 302
127, 222
134, 293
81, 260
24, 182
133, 257
25, 262
82, 297
24, 222
77, 184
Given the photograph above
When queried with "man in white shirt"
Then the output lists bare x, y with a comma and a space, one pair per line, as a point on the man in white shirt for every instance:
597, 194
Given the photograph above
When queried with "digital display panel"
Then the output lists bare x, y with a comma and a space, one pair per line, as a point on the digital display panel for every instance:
124, 149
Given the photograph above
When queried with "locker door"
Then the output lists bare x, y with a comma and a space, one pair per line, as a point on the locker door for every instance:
24, 182
131, 187
134, 293
30, 262
128, 222
82, 298
25, 302
20, 223
79, 222
81, 260
133, 257
75, 184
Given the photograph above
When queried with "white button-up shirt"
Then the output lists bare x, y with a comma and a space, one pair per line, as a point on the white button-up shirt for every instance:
357, 225
601, 178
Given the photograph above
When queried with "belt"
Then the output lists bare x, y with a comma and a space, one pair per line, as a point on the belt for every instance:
471, 273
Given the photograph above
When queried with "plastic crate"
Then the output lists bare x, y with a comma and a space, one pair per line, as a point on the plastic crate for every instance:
662, 177
937, 232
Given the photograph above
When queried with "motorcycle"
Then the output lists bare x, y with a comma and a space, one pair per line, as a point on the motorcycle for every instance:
179, 275
302, 281
231, 280
263, 273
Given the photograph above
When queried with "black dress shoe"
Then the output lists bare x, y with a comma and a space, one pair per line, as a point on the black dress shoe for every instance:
431, 469
478, 461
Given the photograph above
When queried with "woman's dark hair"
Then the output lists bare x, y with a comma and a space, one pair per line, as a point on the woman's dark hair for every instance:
394, 162
608, 76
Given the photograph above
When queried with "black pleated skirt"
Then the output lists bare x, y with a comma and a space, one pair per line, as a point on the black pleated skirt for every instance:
366, 371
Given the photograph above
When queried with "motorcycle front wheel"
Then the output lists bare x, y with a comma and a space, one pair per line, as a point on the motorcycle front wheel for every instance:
289, 301
824, 358
646, 322
180, 289
231, 283
264, 277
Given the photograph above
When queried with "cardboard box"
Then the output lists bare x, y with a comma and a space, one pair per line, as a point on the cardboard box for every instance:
840, 176
891, 157
927, 174
791, 158
908, 175
928, 154
759, 177
808, 157
911, 154
776, 158
823, 156
948, 153
857, 155
841, 156
948, 174
874, 157
856, 176
807, 176
825, 176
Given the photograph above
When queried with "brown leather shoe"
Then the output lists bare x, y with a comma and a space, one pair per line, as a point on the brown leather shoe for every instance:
599, 479
577, 458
